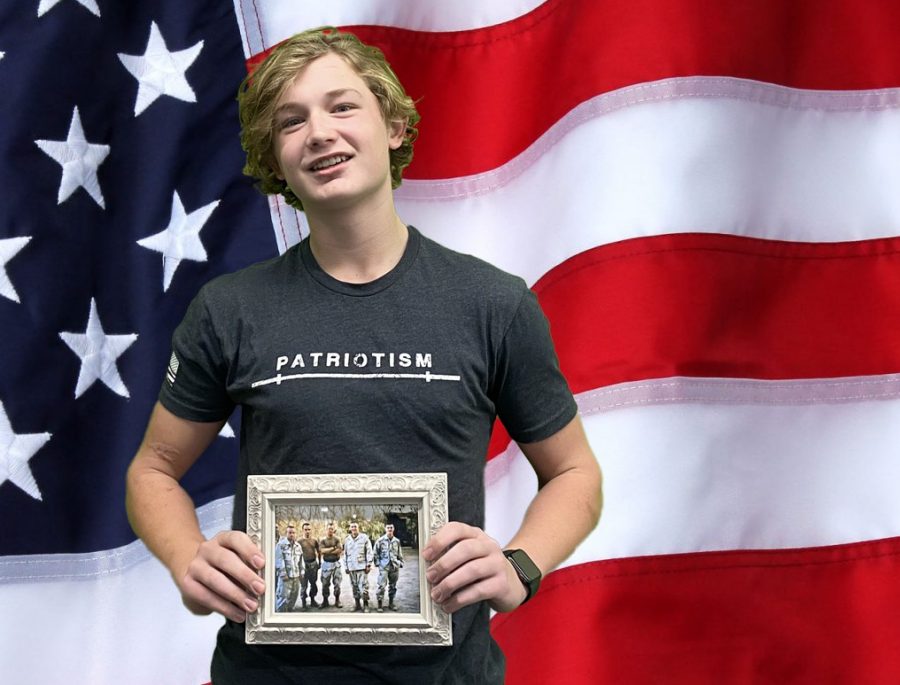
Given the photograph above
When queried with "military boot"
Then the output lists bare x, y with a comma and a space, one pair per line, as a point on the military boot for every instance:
365, 606
324, 602
391, 605
337, 600
358, 607
380, 608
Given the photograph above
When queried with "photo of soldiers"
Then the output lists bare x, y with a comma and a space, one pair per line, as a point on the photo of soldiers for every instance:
287, 570
325, 574
358, 558
389, 560
331, 549
311, 558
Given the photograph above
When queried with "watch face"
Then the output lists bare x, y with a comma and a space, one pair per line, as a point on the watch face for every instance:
524, 566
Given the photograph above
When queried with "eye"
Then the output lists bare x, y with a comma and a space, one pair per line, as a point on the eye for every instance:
290, 122
344, 107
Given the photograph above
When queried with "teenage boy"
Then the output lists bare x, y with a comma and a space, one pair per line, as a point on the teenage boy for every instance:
433, 344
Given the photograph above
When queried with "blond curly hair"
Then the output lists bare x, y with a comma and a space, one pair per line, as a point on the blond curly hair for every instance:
261, 90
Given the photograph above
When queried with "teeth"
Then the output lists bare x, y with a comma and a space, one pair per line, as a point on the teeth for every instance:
331, 161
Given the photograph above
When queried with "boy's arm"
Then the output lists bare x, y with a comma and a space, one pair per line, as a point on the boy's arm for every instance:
469, 566
212, 575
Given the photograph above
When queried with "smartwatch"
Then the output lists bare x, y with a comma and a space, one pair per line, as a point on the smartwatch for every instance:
525, 568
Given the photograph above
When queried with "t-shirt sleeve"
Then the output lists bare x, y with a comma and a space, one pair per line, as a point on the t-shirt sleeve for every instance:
532, 397
195, 387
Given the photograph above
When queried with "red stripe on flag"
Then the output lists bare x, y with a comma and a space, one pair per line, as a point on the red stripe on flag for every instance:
806, 616
708, 305
486, 94
725, 306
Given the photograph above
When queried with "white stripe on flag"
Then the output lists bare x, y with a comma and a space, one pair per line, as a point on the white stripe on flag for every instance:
770, 475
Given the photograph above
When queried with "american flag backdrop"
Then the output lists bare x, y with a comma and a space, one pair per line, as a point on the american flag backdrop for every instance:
706, 199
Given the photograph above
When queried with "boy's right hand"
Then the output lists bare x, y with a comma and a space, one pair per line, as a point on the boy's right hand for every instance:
223, 576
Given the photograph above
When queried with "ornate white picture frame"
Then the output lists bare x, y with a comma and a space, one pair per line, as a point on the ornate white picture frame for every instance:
415, 506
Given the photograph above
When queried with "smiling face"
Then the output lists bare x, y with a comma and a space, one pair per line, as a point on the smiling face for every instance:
331, 143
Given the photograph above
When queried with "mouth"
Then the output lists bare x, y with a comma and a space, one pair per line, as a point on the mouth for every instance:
328, 163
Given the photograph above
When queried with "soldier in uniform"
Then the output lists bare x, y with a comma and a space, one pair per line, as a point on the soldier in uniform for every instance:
389, 559
358, 557
287, 570
311, 559
331, 548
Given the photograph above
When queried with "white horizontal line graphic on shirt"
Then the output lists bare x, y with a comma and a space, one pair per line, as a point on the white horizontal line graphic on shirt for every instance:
427, 377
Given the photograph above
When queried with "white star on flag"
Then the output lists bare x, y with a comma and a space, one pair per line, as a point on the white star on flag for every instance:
98, 353
79, 160
161, 72
47, 5
181, 238
227, 431
15, 452
9, 247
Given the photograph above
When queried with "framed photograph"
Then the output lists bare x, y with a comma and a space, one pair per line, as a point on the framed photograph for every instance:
343, 558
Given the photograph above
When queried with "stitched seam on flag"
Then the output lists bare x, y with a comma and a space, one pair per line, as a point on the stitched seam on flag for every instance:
240, 4
277, 200
720, 400
766, 94
732, 383
259, 23
774, 391
120, 558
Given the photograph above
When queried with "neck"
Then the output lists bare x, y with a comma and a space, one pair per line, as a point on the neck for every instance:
359, 244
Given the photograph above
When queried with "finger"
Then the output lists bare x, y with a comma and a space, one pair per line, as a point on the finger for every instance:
473, 571
448, 536
482, 590
199, 594
459, 555
222, 584
243, 546
227, 561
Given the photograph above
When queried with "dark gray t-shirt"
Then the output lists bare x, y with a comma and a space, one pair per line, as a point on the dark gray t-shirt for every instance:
403, 374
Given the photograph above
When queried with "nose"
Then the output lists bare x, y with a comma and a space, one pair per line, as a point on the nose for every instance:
319, 129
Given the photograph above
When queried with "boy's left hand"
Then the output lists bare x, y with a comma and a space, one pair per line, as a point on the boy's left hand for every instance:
468, 566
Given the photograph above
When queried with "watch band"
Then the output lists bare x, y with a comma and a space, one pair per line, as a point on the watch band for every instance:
526, 569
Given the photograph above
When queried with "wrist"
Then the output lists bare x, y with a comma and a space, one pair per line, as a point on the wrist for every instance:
525, 571
180, 559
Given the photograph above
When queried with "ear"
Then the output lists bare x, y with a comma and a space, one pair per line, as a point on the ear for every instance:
396, 132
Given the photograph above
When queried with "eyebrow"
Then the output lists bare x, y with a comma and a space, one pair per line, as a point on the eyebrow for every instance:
330, 95
341, 91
